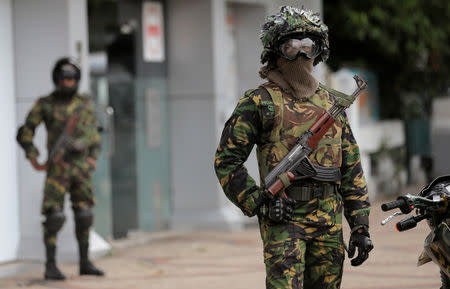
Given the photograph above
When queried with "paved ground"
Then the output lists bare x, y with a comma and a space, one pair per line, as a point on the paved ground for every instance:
225, 260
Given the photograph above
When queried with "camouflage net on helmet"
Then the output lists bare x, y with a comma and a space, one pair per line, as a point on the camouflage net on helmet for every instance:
291, 20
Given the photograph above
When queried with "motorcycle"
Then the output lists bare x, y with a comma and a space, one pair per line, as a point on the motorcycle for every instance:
431, 204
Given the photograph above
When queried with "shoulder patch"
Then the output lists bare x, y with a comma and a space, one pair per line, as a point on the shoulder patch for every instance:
261, 97
266, 103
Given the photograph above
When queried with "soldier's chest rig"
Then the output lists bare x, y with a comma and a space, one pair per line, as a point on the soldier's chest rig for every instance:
284, 119
58, 112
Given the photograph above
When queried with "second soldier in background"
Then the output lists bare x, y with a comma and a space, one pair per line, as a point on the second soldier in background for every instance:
73, 144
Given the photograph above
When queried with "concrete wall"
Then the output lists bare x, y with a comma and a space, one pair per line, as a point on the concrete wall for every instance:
202, 87
9, 206
440, 136
44, 31
78, 37
191, 102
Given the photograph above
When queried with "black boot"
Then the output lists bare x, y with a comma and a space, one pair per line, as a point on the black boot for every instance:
86, 267
51, 271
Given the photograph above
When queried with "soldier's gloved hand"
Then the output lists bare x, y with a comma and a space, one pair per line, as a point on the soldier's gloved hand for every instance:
280, 210
38, 166
360, 239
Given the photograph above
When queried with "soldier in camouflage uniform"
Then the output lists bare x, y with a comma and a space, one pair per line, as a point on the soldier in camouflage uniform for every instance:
302, 234
73, 171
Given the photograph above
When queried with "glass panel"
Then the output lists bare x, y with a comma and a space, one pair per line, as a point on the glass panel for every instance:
152, 155
132, 179
102, 175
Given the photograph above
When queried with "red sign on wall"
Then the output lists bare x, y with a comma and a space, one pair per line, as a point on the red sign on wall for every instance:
153, 32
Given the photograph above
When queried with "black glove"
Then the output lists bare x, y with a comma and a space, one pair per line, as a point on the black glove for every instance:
280, 210
364, 244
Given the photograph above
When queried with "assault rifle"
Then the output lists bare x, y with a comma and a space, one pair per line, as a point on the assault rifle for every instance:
65, 140
296, 163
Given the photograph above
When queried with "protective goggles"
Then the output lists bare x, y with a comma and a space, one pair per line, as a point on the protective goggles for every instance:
292, 48
68, 72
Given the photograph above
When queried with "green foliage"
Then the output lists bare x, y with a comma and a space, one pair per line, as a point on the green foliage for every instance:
404, 41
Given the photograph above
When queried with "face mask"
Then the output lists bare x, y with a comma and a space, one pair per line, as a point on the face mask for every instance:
66, 92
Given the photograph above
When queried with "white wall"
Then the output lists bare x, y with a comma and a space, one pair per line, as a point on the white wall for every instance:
40, 28
9, 211
196, 200
78, 38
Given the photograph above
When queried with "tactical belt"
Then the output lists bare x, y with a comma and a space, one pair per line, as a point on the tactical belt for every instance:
305, 193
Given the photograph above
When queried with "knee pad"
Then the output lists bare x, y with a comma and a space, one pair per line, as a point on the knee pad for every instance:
84, 218
54, 221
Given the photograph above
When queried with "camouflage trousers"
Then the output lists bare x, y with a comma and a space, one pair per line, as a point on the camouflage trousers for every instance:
307, 252
75, 178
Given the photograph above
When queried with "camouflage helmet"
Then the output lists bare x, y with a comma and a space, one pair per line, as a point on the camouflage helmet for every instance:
291, 20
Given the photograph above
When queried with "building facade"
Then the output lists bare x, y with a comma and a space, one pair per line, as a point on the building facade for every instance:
165, 76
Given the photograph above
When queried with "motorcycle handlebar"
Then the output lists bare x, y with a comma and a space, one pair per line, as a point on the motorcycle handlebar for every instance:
393, 205
406, 224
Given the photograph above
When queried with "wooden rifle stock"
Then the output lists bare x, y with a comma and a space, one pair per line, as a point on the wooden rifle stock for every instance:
319, 128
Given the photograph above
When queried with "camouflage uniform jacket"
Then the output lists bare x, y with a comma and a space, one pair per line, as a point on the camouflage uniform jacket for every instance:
247, 127
55, 112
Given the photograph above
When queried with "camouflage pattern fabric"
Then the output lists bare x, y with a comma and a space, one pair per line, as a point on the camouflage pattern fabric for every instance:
436, 247
274, 125
73, 174
55, 112
296, 263
74, 177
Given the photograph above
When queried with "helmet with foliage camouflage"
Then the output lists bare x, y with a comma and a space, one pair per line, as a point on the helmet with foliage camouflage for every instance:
291, 20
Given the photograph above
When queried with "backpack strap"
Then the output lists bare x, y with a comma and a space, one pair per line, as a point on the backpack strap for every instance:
266, 103
275, 97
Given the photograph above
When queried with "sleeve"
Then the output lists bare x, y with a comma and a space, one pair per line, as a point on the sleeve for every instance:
25, 133
353, 184
238, 138
88, 134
